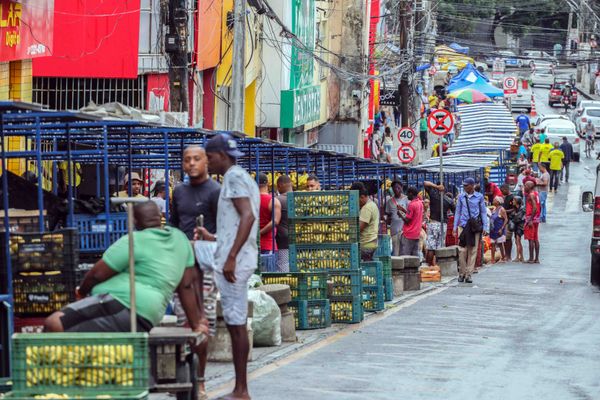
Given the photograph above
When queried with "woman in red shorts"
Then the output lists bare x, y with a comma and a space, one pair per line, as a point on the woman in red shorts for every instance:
532, 222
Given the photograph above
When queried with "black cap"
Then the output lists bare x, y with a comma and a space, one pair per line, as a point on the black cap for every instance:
223, 142
262, 179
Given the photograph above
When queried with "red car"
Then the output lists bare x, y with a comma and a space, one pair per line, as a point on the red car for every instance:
555, 94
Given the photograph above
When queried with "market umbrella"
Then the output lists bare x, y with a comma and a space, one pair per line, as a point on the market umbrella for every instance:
470, 96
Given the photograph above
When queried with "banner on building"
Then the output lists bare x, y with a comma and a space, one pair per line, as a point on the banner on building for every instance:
389, 97
26, 29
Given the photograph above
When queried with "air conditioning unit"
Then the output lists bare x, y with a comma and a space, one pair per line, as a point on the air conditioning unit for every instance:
421, 5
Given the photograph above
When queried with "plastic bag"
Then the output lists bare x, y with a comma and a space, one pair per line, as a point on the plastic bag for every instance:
266, 320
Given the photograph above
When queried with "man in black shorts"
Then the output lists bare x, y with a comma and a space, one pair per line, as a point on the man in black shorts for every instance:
169, 266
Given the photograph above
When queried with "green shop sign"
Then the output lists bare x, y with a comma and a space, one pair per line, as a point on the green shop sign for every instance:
303, 26
300, 106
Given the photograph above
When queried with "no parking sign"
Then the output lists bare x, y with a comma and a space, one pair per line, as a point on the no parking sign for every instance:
440, 122
406, 154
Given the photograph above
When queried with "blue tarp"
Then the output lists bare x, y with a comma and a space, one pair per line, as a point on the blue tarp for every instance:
458, 48
470, 78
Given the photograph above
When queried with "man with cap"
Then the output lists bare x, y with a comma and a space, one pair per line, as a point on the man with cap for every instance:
237, 251
470, 222
136, 186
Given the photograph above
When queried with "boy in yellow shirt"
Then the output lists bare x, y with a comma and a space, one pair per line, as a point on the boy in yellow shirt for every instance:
556, 157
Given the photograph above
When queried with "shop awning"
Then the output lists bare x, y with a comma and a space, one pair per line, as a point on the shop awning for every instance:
485, 127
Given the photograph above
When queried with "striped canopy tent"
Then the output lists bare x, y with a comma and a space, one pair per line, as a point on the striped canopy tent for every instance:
485, 127
460, 162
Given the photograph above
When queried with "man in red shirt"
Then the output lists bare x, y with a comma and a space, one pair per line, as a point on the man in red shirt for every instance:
413, 221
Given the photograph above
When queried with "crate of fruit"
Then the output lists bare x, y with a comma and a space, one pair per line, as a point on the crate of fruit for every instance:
373, 298
112, 395
311, 314
345, 282
372, 273
304, 258
346, 309
323, 231
38, 252
323, 204
98, 232
41, 293
303, 285
85, 364
384, 246
388, 288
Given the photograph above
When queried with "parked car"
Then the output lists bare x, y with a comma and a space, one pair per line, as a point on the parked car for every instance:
540, 122
555, 94
583, 104
509, 57
589, 114
557, 128
590, 202
542, 77
538, 58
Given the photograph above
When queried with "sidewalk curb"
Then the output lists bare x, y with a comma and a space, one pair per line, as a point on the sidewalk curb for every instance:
219, 381
584, 94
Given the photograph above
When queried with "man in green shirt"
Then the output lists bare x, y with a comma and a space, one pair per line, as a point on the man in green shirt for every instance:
164, 262
368, 221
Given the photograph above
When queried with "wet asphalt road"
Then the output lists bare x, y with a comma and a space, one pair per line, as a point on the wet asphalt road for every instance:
518, 332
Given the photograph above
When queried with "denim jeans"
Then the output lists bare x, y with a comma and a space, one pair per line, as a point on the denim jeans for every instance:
388, 148
543, 197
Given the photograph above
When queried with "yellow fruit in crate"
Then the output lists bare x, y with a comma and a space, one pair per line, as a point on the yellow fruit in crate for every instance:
32, 356
91, 377
124, 377
52, 396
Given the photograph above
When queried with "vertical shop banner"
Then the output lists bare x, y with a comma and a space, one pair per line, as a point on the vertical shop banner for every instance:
26, 29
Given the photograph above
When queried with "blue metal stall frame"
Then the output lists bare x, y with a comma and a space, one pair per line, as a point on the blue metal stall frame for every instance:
78, 138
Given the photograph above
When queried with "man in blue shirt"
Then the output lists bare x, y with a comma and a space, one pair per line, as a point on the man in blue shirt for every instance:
523, 122
567, 149
470, 207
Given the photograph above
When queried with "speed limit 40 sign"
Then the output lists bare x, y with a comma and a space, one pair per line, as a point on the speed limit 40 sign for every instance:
406, 135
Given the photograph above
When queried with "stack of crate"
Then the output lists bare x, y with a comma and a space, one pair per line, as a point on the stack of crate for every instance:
43, 274
324, 237
384, 254
309, 296
372, 285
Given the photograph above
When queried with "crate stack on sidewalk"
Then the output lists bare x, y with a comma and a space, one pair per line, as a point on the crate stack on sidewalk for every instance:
43, 274
384, 254
324, 238
372, 283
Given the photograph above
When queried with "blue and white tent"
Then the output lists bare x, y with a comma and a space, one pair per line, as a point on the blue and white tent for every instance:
485, 127
460, 162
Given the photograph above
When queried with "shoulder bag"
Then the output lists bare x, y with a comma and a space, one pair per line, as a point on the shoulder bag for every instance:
475, 225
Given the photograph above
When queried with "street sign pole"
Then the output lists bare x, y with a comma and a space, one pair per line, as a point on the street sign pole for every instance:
441, 148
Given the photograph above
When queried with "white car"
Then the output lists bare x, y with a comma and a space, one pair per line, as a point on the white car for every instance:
556, 129
583, 104
542, 77
589, 114
538, 58
540, 123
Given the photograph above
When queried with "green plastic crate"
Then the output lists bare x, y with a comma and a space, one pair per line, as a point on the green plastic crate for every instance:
372, 272
388, 289
323, 231
324, 257
373, 298
384, 246
114, 395
346, 283
386, 263
311, 314
323, 204
84, 364
346, 309
303, 285
5, 385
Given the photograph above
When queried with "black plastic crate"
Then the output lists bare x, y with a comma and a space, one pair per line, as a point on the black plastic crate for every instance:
42, 293
40, 252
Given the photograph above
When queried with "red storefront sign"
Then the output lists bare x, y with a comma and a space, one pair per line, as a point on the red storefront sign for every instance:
93, 39
26, 29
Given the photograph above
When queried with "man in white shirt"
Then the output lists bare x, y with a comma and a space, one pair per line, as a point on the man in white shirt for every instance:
236, 257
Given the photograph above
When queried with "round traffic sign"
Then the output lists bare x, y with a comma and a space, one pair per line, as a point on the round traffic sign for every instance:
406, 135
406, 153
440, 122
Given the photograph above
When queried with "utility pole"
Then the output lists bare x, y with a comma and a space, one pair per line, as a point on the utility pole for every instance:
176, 47
567, 50
404, 89
238, 76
